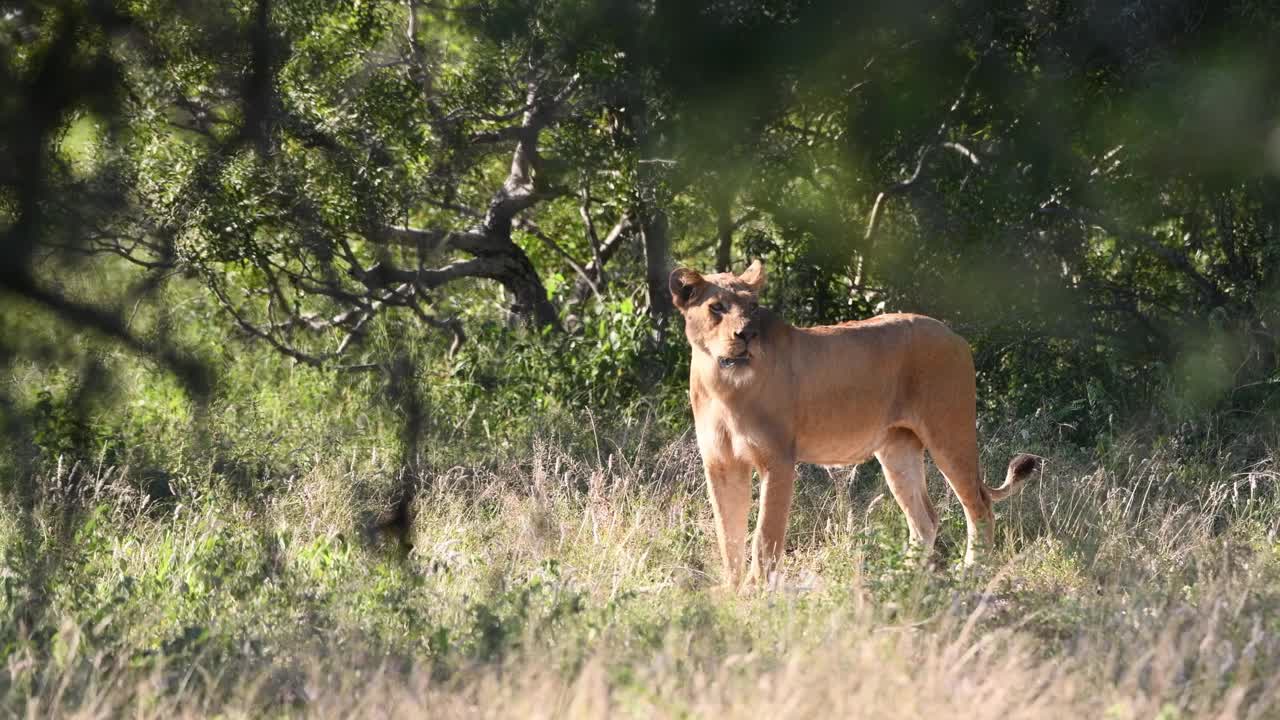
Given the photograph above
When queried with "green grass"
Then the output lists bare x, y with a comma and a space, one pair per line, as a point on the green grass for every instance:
1144, 582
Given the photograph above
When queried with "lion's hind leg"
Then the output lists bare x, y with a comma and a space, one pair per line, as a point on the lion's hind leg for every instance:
957, 458
902, 458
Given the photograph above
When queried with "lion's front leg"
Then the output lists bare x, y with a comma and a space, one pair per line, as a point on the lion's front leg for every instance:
777, 486
729, 484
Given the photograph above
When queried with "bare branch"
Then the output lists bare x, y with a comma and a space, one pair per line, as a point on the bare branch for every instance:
511, 132
593, 238
612, 242
255, 331
518, 192
916, 175
453, 325
127, 247
595, 269
454, 208
531, 228
382, 274
963, 151
424, 241
433, 241
877, 207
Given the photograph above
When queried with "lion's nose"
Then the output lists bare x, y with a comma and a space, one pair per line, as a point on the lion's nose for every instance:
745, 334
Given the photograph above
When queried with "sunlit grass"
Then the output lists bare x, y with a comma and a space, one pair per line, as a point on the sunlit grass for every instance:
587, 586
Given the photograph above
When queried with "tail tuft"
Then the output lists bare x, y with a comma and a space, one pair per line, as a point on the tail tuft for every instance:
1021, 467
1023, 464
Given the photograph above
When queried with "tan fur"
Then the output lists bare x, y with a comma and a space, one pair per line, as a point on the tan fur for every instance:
767, 395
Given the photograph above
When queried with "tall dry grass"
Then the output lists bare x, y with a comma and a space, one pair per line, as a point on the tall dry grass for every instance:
1142, 584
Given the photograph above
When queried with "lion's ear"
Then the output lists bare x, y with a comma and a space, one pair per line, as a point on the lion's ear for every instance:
684, 284
753, 276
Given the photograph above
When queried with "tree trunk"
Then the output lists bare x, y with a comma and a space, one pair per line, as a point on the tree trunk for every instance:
531, 301
724, 231
657, 265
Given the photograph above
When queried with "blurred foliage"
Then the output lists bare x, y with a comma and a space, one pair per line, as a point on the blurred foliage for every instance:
1087, 192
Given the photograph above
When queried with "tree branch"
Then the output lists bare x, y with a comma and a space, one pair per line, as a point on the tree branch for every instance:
383, 274
595, 268
916, 176
433, 241
593, 240
511, 132
1209, 289
531, 228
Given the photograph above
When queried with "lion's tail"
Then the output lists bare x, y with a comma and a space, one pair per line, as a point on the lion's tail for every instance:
1020, 468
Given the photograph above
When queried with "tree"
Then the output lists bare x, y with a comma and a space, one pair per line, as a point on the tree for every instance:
1095, 177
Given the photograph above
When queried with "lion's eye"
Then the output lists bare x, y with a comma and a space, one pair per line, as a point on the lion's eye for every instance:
717, 308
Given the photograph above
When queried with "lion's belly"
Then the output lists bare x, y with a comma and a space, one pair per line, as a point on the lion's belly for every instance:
843, 423
840, 446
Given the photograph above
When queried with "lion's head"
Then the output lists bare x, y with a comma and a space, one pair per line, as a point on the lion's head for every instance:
722, 315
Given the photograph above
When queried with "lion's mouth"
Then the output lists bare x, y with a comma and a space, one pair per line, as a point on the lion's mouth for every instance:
728, 362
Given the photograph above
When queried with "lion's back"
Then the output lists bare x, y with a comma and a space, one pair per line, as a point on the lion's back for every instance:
913, 332
913, 358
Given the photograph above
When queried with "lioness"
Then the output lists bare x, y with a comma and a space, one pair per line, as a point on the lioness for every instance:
767, 395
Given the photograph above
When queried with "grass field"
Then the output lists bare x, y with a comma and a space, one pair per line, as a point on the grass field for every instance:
1132, 581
